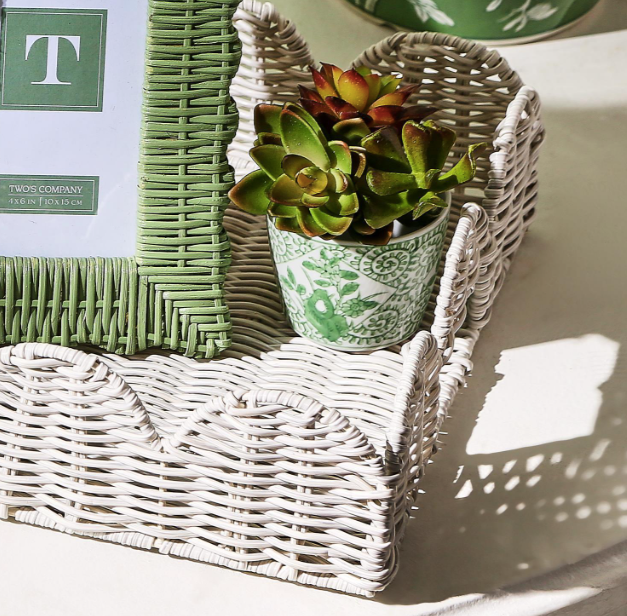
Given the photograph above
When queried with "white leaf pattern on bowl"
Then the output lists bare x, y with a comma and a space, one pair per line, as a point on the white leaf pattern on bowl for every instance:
526, 12
428, 9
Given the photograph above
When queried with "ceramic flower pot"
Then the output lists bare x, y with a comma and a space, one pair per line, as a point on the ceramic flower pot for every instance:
479, 19
352, 297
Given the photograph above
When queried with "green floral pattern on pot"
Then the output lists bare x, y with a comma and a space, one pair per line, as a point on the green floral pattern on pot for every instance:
478, 19
355, 297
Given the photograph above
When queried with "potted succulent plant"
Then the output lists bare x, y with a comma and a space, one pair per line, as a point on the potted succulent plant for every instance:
354, 186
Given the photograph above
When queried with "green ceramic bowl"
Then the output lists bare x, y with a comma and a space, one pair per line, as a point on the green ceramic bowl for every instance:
478, 19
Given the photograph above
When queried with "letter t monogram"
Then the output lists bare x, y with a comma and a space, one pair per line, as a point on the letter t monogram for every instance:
52, 68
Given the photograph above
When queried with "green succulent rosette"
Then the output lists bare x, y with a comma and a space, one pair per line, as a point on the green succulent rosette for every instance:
351, 104
406, 173
304, 182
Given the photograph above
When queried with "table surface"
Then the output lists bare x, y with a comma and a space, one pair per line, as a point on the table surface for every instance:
525, 508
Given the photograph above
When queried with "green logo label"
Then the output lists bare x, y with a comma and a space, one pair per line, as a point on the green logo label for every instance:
52, 59
41, 194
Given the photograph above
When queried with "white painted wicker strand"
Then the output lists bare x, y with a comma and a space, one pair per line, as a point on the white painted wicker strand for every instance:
281, 458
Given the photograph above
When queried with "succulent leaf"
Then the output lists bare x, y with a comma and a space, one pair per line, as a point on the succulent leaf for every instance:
389, 83
463, 171
429, 201
386, 183
381, 237
300, 138
287, 224
282, 211
344, 204
335, 225
386, 115
285, 191
359, 161
361, 227
337, 181
381, 211
416, 142
331, 73
374, 87
421, 209
308, 224
303, 114
427, 147
442, 140
268, 138
367, 235
314, 200
250, 193
341, 108
266, 118
308, 94
342, 155
269, 157
293, 163
323, 87
385, 151
430, 177
351, 131
398, 97
315, 108
312, 180
394, 98
353, 88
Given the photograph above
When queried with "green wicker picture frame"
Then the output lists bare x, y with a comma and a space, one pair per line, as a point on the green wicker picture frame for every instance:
171, 294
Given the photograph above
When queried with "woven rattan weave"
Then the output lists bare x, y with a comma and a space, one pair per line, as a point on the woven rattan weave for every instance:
172, 293
282, 457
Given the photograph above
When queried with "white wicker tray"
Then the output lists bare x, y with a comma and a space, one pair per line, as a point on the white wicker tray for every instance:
282, 457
